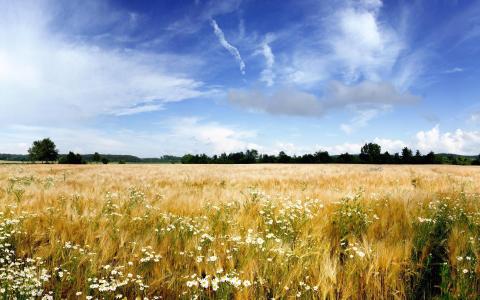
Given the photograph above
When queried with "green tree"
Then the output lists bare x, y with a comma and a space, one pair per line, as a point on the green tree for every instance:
387, 158
284, 158
71, 158
430, 158
96, 157
407, 155
43, 150
476, 162
371, 153
345, 158
322, 157
418, 157
251, 156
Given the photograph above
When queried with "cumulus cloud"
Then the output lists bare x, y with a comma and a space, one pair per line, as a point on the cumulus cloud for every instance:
458, 142
213, 136
342, 148
298, 103
233, 51
45, 74
390, 145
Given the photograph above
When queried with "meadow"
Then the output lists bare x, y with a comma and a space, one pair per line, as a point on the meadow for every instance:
239, 232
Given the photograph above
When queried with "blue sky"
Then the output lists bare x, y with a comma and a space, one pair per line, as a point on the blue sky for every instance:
169, 77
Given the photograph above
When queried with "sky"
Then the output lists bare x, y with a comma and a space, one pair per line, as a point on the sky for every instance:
151, 78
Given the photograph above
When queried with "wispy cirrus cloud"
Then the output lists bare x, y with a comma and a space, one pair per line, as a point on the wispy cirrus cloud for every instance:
201, 12
223, 41
137, 109
360, 120
454, 70
267, 75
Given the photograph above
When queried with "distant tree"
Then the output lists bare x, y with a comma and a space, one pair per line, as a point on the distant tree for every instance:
396, 158
476, 161
105, 160
306, 159
387, 158
121, 162
284, 158
251, 156
345, 158
407, 155
187, 159
43, 150
96, 157
430, 158
71, 158
418, 159
370, 153
236, 158
223, 158
267, 159
322, 157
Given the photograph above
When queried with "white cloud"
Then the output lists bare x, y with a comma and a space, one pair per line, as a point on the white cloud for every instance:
361, 45
458, 142
307, 69
365, 96
233, 51
179, 136
351, 148
475, 117
351, 43
392, 146
137, 109
203, 11
389, 145
213, 136
47, 75
454, 70
267, 75
360, 120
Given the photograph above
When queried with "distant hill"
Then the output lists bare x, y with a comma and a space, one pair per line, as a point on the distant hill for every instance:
13, 157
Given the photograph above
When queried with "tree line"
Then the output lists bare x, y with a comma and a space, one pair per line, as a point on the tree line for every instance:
370, 153
46, 151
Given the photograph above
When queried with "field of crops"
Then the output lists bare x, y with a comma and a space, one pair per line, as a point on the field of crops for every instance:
239, 231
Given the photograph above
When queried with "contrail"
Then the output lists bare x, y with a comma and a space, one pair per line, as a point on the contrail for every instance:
234, 51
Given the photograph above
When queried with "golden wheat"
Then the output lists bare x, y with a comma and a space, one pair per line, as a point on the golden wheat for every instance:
239, 231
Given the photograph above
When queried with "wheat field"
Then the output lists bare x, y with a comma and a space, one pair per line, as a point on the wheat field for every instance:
239, 232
